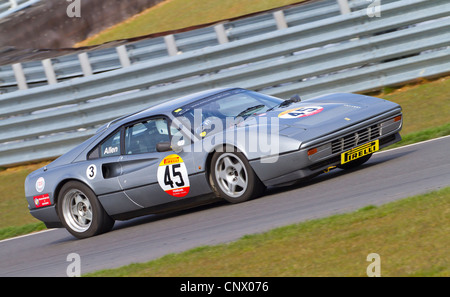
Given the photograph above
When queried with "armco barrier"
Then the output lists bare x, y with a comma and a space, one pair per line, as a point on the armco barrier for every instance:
350, 53
8, 7
34, 74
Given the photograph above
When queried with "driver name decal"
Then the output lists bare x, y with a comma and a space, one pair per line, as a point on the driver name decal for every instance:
300, 112
173, 177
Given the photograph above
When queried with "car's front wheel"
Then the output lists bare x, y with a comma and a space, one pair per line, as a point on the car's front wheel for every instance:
80, 211
232, 177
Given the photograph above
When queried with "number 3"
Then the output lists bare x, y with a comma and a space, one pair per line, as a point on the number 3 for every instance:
91, 171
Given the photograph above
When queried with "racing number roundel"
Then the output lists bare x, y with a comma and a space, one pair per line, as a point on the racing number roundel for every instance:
91, 171
300, 112
173, 177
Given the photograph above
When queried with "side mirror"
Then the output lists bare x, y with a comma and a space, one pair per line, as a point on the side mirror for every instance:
164, 147
295, 98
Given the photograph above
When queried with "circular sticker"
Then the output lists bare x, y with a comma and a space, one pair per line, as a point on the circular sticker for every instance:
91, 171
300, 112
40, 184
173, 177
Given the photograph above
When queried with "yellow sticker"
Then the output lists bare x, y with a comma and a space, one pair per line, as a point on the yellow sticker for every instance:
172, 159
360, 151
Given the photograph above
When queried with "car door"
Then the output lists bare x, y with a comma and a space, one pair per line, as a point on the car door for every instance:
102, 172
150, 177
103, 167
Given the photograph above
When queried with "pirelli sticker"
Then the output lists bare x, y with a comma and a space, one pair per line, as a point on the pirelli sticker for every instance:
360, 151
173, 176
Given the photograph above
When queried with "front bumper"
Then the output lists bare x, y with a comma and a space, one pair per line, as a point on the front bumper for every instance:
299, 164
313, 168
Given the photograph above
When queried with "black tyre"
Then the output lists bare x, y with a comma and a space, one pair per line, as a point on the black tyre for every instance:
355, 163
80, 211
232, 177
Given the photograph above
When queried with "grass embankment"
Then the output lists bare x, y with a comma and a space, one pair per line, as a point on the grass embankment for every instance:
426, 109
410, 235
178, 14
15, 218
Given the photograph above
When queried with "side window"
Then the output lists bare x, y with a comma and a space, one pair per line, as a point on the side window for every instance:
144, 136
111, 147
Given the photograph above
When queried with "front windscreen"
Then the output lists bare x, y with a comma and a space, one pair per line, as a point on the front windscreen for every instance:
224, 108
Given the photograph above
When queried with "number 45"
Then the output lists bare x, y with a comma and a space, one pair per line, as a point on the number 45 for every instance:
168, 179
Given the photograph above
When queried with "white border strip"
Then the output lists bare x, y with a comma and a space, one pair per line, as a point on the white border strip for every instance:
26, 235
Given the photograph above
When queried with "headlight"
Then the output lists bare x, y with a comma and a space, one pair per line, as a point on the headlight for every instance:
391, 125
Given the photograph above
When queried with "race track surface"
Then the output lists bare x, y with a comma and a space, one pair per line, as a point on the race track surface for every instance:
388, 176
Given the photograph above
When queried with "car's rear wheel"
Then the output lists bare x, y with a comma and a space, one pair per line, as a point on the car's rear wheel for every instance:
80, 211
232, 177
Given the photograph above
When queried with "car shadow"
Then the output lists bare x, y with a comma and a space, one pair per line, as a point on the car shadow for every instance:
337, 172
162, 216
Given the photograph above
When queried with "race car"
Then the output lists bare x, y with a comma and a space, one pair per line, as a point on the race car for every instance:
228, 143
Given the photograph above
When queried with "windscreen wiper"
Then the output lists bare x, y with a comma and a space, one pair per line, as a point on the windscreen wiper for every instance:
250, 109
293, 99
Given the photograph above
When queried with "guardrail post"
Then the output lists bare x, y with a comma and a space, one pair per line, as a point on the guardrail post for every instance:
344, 7
13, 4
171, 45
49, 71
280, 20
20, 76
221, 33
85, 64
123, 56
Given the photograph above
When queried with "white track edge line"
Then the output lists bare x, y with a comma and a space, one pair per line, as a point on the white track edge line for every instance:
26, 235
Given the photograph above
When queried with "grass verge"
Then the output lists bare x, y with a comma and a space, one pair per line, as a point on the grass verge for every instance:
178, 14
410, 235
10, 232
15, 218
425, 104
423, 135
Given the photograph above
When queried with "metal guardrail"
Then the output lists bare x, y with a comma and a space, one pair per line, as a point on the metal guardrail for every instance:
8, 7
38, 73
350, 53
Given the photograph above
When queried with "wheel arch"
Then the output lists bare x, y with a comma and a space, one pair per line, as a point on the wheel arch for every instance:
61, 185
214, 150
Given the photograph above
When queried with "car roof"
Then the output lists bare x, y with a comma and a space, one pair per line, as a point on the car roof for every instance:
165, 107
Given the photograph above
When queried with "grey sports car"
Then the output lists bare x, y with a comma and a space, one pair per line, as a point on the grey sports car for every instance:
219, 144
